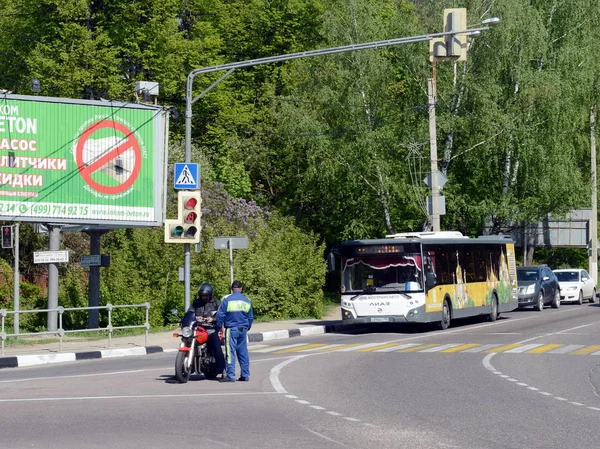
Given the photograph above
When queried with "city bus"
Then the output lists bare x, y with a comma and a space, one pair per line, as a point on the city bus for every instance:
427, 277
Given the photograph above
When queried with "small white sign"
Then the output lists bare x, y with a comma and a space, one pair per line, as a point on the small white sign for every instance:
92, 260
50, 256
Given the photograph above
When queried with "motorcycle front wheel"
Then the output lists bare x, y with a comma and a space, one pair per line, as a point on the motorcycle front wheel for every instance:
182, 373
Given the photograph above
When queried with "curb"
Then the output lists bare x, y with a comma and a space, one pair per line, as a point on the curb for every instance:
46, 359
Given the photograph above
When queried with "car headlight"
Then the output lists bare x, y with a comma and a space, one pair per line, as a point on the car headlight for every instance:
530, 289
186, 332
570, 289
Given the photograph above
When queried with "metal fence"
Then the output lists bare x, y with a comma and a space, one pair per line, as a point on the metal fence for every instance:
60, 332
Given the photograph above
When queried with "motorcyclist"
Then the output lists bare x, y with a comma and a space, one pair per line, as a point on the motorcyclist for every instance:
205, 308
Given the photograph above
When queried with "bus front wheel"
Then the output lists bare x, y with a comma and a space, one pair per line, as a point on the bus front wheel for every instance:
446, 315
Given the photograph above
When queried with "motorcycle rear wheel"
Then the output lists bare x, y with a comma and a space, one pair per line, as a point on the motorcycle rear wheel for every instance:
182, 373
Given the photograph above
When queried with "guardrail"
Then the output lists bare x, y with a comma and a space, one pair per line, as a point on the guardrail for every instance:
60, 332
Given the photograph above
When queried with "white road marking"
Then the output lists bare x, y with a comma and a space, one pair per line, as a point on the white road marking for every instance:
140, 396
565, 349
488, 365
441, 347
277, 348
482, 348
355, 348
523, 348
394, 348
324, 437
274, 374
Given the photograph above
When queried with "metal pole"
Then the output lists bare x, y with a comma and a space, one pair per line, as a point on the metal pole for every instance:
189, 100
16, 281
230, 262
435, 189
94, 282
54, 234
593, 265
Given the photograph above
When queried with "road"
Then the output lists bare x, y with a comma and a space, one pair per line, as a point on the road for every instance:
529, 380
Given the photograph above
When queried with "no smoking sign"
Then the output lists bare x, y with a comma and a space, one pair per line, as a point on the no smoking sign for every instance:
108, 160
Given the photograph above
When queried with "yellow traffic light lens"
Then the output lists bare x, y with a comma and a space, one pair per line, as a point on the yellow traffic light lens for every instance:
191, 217
191, 231
190, 203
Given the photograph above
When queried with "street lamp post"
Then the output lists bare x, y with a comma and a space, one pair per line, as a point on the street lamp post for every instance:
190, 100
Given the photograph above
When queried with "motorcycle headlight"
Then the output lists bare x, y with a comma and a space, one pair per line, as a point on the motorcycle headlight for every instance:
186, 332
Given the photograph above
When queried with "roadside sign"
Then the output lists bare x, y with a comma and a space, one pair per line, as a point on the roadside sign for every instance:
231, 243
82, 162
187, 176
50, 256
236, 242
92, 260
121, 161
441, 180
441, 205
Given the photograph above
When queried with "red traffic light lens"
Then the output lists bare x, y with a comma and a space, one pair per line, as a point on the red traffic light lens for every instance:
191, 217
190, 203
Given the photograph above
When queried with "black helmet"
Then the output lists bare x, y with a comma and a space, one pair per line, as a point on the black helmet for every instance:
205, 290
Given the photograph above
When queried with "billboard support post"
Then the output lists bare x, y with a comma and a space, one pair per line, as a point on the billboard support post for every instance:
16, 281
54, 232
94, 281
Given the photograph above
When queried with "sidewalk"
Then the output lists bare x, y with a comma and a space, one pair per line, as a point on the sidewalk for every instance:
45, 353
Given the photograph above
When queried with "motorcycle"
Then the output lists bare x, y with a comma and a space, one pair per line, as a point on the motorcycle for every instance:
194, 355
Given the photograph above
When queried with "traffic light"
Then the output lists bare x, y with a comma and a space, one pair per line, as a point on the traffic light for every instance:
452, 47
455, 19
7, 236
186, 228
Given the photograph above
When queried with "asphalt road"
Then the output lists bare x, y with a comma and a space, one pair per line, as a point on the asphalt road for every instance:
530, 380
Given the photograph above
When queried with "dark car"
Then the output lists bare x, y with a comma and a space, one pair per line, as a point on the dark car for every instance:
538, 286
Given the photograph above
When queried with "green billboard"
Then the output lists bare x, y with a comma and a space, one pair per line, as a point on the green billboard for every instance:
82, 162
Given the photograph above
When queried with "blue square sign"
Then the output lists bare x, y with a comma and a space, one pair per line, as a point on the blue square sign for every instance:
187, 176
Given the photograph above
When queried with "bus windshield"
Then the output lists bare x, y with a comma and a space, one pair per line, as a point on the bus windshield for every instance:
400, 273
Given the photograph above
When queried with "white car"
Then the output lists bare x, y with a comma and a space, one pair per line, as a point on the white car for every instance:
576, 285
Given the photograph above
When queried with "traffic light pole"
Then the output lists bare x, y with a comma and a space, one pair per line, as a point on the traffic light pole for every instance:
190, 100
16, 281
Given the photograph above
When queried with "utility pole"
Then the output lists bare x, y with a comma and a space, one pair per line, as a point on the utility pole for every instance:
450, 47
435, 187
593, 261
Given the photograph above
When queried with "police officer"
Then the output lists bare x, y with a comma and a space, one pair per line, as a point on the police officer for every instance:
236, 314
205, 307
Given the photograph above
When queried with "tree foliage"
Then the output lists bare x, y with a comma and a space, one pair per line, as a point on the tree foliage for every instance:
302, 154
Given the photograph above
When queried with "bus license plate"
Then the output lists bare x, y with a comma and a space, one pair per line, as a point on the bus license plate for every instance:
380, 320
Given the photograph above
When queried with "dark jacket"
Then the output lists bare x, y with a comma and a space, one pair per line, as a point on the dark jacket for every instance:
205, 309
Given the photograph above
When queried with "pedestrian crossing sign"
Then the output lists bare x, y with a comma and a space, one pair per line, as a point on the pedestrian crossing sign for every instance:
187, 176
